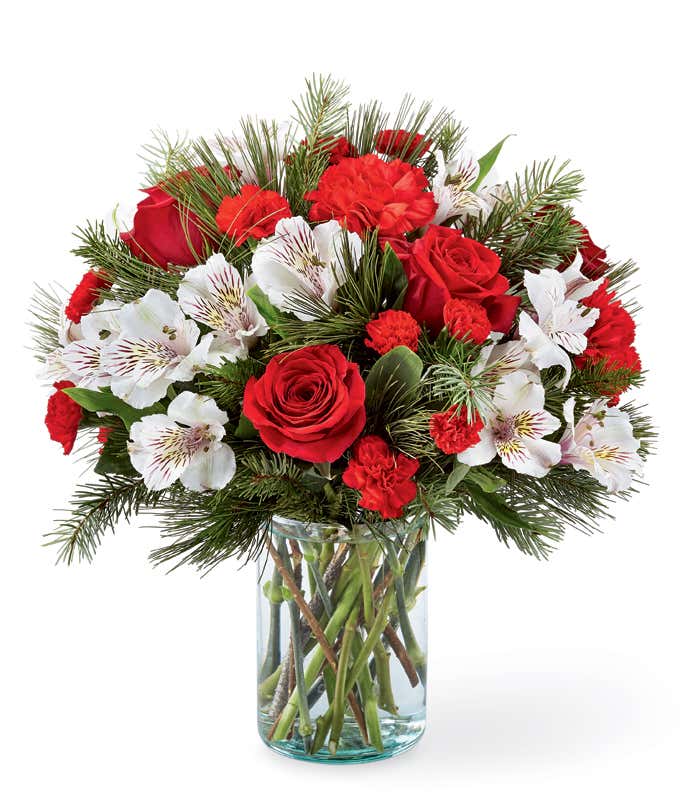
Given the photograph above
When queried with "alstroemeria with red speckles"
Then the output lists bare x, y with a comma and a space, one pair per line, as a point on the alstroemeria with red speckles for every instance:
63, 416
382, 476
391, 329
453, 432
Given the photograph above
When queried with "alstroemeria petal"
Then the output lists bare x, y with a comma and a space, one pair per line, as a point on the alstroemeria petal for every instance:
194, 409
210, 471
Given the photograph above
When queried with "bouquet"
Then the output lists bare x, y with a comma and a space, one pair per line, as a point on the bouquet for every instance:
349, 322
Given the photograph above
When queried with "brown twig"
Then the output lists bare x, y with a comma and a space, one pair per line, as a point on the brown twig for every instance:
402, 654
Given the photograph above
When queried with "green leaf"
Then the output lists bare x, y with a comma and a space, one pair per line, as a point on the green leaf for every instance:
270, 313
487, 481
394, 277
487, 161
95, 401
245, 429
399, 369
117, 462
460, 471
492, 506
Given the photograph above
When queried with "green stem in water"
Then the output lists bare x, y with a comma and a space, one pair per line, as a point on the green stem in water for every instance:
318, 658
338, 718
412, 646
305, 723
369, 701
272, 658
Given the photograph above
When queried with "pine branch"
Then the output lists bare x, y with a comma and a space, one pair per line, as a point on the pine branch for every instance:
132, 277
46, 309
95, 509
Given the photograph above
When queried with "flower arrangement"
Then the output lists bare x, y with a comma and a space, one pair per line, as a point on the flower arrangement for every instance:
345, 320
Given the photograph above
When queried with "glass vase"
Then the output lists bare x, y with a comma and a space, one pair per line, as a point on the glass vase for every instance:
341, 641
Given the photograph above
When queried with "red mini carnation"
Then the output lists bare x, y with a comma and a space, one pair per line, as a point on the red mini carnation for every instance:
383, 477
391, 329
466, 319
368, 193
63, 416
401, 143
453, 432
254, 212
610, 340
85, 295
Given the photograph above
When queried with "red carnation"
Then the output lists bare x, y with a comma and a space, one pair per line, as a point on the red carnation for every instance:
466, 319
391, 329
453, 432
254, 212
368, 193
308, 403
63, 416
383, 477
610, 340
401, 143
85, 295
164, 233
446, 265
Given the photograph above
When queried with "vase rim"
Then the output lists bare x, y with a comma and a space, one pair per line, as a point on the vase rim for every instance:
329, 531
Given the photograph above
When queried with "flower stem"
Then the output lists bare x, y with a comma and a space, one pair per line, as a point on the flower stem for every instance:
305, 724
412, 646
338, 718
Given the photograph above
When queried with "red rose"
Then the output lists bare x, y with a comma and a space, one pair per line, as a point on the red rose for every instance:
391, 329
466, 319
336, 148
85, 295
610, 339
400, 245
594, 258
453, 432
164, 233
368, 193
401, 143
63, 416
254, 212
383, 478
308, 404
446, 265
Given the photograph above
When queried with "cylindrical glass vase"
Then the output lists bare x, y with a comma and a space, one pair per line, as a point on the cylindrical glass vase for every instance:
341, 641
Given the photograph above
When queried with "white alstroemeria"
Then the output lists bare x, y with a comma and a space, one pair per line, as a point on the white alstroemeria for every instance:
54, 368
561, 322
299, 261
601, 443
515, 427
451, 188
185, 445
156, 347
83, 357
214, 294
496, 360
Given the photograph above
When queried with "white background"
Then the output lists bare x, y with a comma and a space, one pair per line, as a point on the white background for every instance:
545, 677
